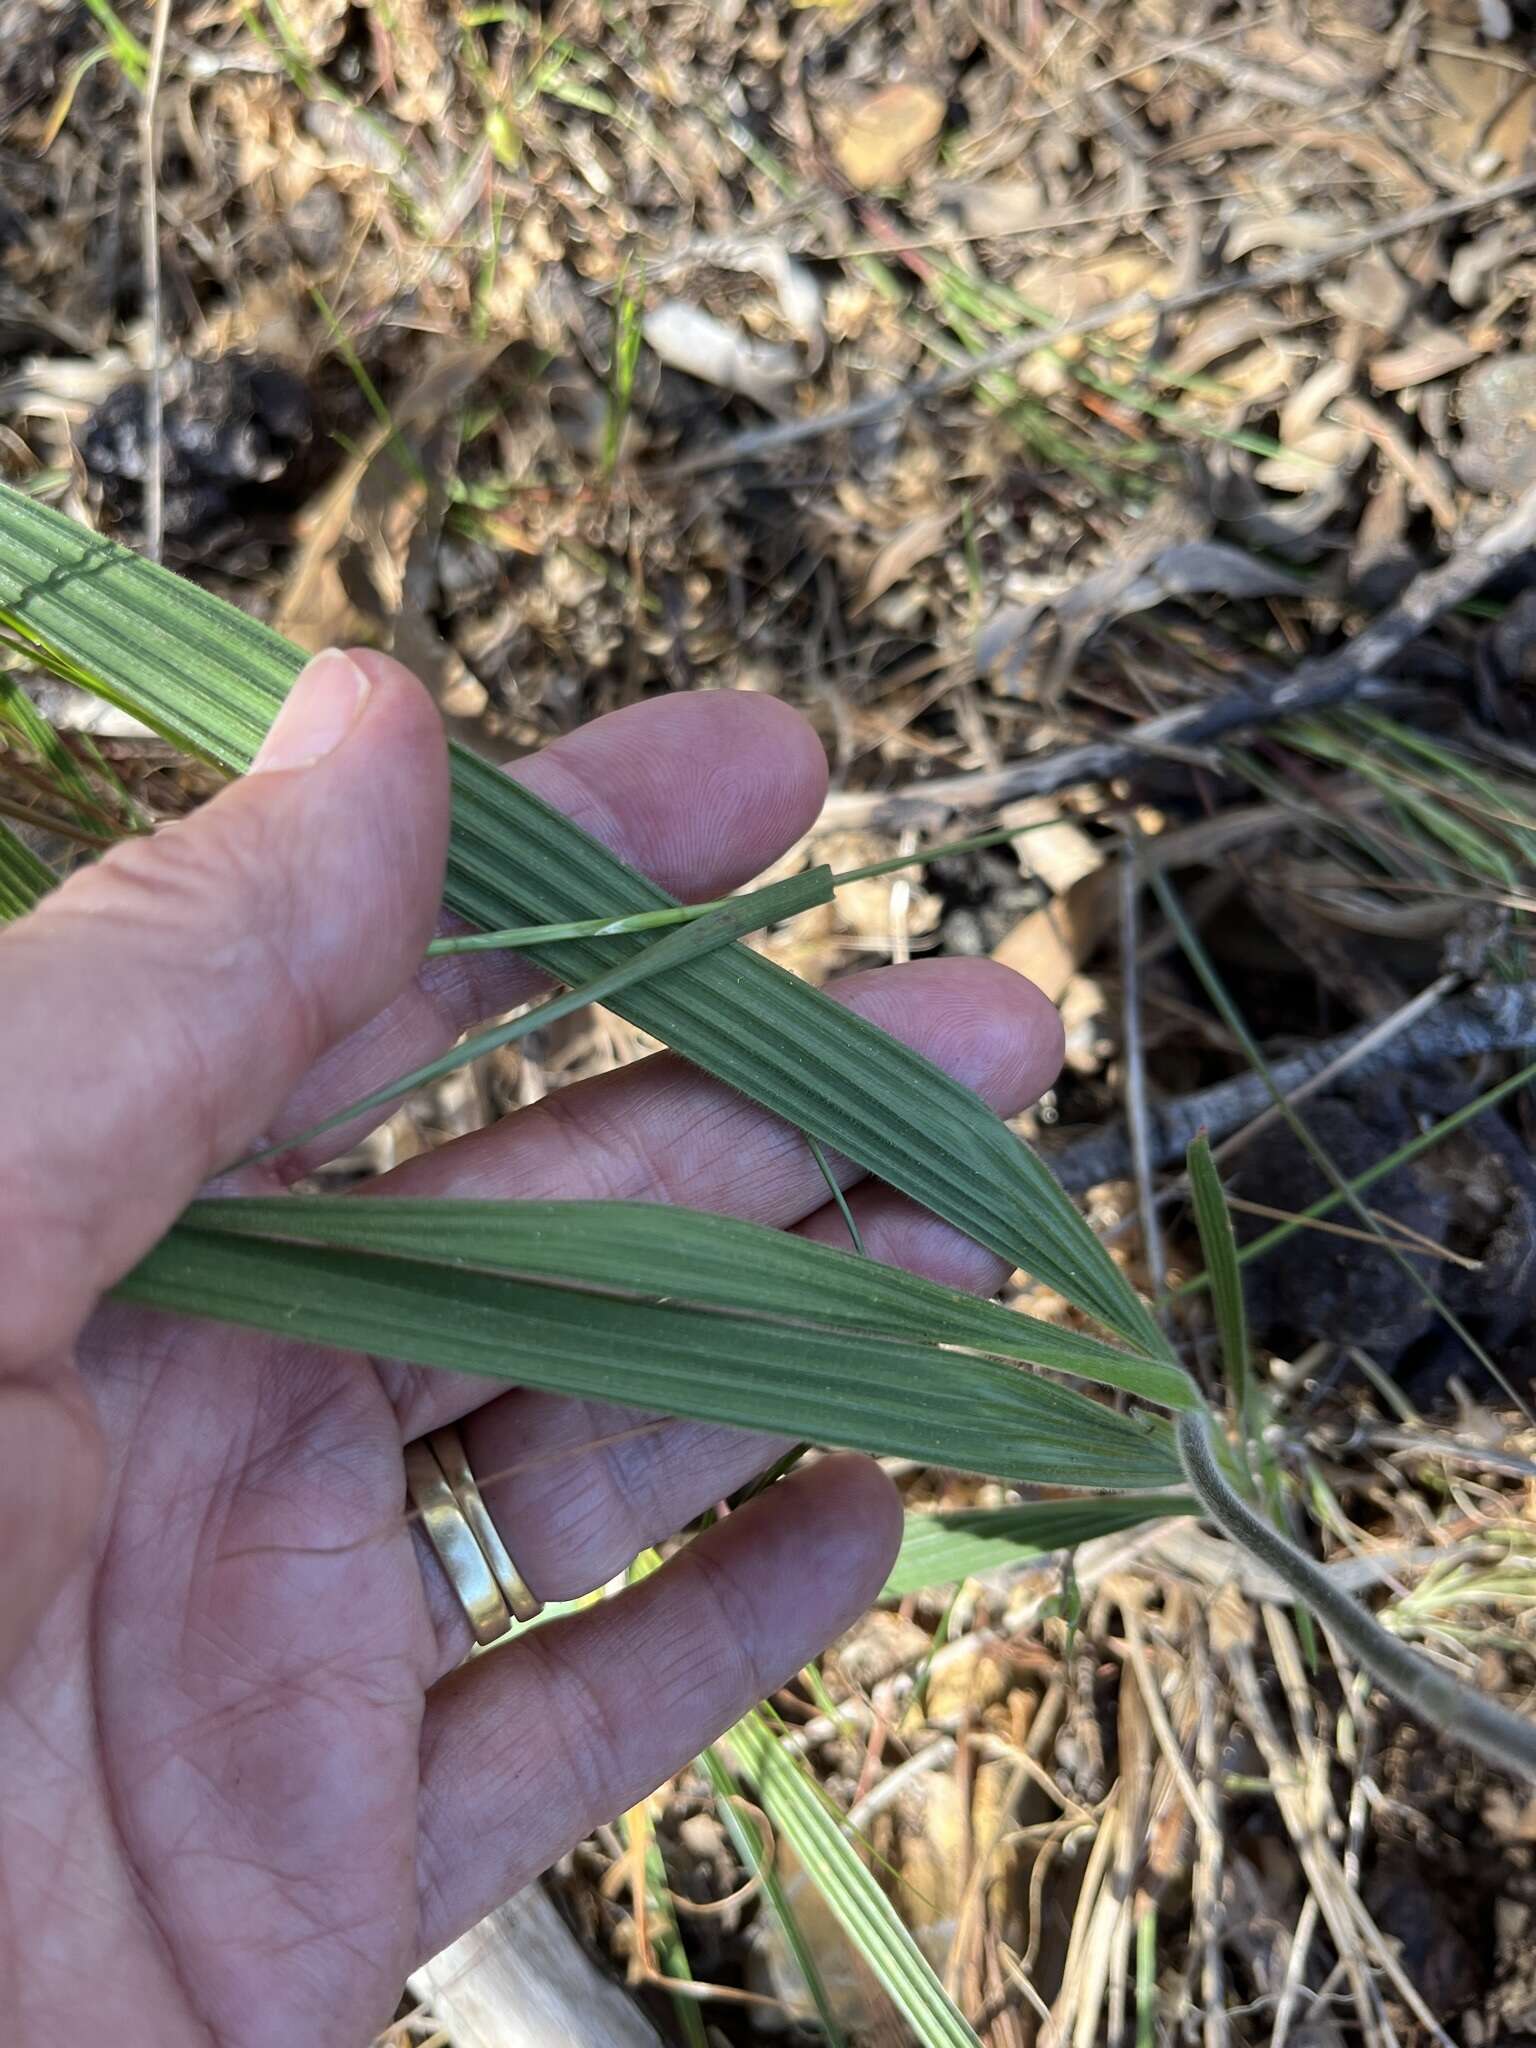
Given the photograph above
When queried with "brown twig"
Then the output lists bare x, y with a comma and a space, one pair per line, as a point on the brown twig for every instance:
1499, 1018
1324, 679
154, 388
1137, 1104
758, 441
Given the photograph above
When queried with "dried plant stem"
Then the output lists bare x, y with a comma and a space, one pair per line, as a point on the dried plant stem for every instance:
154, 389
759, 441
1499, 1018
1439, 1700
1324, 679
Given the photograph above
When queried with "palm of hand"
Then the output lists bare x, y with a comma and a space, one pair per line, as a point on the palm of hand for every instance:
217, 1734
243, 1786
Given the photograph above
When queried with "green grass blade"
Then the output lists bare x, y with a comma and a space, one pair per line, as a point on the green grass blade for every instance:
938, 1549
748, 1844
1213, 1220
211, 679
1232, 1017
652, 1252
24, 879
827, 1383
839, 1198
727, 921
800, 1816
70, 784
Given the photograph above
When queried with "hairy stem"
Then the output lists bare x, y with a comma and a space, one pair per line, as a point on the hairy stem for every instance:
1442, 1702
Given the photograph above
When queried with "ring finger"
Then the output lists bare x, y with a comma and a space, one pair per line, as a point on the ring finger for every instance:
577, 1488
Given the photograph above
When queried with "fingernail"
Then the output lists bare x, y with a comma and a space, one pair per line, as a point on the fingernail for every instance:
324, 704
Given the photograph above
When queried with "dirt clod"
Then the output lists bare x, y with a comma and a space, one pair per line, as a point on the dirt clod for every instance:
230, 426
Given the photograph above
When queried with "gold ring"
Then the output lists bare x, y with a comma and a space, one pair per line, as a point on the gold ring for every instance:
448, 1447
451, 1537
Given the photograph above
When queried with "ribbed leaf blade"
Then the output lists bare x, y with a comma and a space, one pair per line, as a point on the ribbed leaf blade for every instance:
24, 879
751, 1846
937, 1549
829, 1384
1213, 1220
684, 1257
211, 679
798, 1811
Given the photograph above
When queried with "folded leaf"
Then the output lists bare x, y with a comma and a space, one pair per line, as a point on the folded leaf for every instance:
829, 1384
800, 1815
937, 1549
211, 679
684, 1258
24, 879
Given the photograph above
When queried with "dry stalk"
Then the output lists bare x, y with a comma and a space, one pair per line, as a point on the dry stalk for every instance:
1438, 1699
154, 389
1312, 684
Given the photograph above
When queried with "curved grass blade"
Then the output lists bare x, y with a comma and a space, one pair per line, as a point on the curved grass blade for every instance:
748, 1844
718, 927
651, 1252
1213, 1220
211, 679
24, 879
800, 1816
937, 1549
830, 1384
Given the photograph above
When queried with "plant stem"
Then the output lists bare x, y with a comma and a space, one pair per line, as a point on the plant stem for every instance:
684, 913
1440, 1701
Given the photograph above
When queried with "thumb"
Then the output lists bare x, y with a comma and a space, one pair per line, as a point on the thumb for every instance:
159, 1007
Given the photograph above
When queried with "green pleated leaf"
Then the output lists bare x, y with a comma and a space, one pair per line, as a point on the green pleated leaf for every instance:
751, 1845
786, 1374
718, 927
938, 1549
800, 1815
24, 879
684, 1258
1213, 1220
70, 784
211, 679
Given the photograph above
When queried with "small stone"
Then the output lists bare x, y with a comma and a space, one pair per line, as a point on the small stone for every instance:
316, 226
887, 135
1496, 405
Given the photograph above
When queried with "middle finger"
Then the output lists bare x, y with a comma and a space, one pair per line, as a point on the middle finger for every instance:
661, 1131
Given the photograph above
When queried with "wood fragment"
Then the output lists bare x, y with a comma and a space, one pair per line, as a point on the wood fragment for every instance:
1499, 1018
520, 1979
1322, 680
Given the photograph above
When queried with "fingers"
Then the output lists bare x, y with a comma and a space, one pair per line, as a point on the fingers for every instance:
576, 1488
161, 1006
50, 1484
526, 1750
661, 1131
700, 792
896, 1232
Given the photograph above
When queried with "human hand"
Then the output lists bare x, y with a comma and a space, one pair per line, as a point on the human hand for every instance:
244, 1785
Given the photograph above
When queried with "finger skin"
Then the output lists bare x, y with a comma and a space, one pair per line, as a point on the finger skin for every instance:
525, 1751
161, 1005
576, 1488
659, 1130
701, 792
662, 1131
50, 1486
